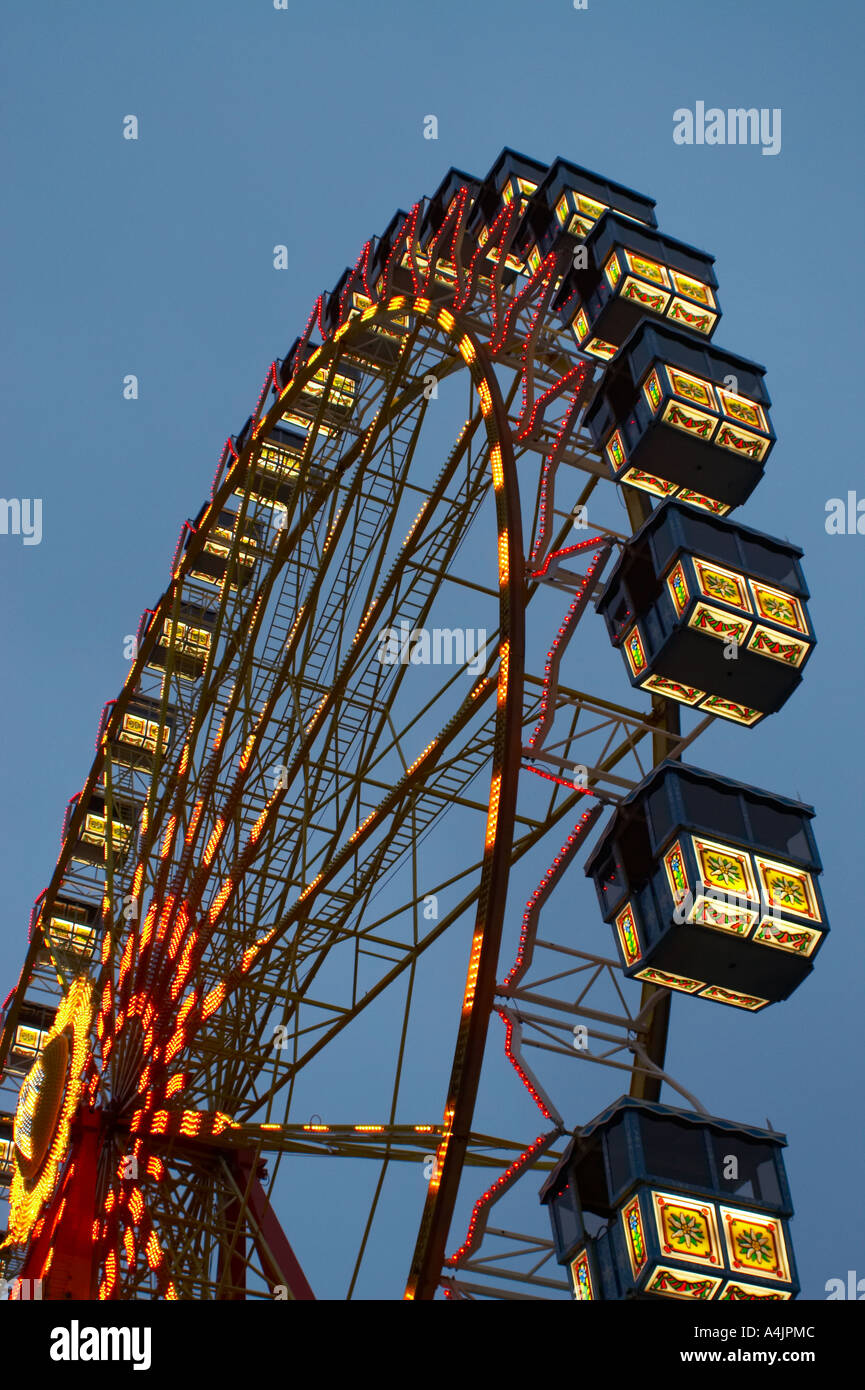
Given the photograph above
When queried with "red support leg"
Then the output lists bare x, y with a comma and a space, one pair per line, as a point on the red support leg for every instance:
67, 1235
278, 1260
231, 1269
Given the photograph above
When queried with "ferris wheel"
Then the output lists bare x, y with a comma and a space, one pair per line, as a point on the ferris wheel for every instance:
352, 720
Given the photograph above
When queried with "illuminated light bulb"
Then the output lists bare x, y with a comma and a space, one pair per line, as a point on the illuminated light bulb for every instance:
220, 900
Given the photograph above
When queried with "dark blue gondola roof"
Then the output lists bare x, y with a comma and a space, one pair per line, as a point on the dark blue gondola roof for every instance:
618, 1107
700, 774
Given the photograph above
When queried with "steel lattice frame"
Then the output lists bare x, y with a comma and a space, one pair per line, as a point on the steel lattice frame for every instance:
240, 888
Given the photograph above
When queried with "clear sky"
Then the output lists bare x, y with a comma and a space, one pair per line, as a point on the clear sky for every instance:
304, 126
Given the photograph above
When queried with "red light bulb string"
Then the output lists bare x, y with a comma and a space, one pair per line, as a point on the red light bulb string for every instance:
525, 949
562, 638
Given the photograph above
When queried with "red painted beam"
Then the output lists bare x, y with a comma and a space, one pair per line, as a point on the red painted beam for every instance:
68, 1228
278, 1260
231, 1267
